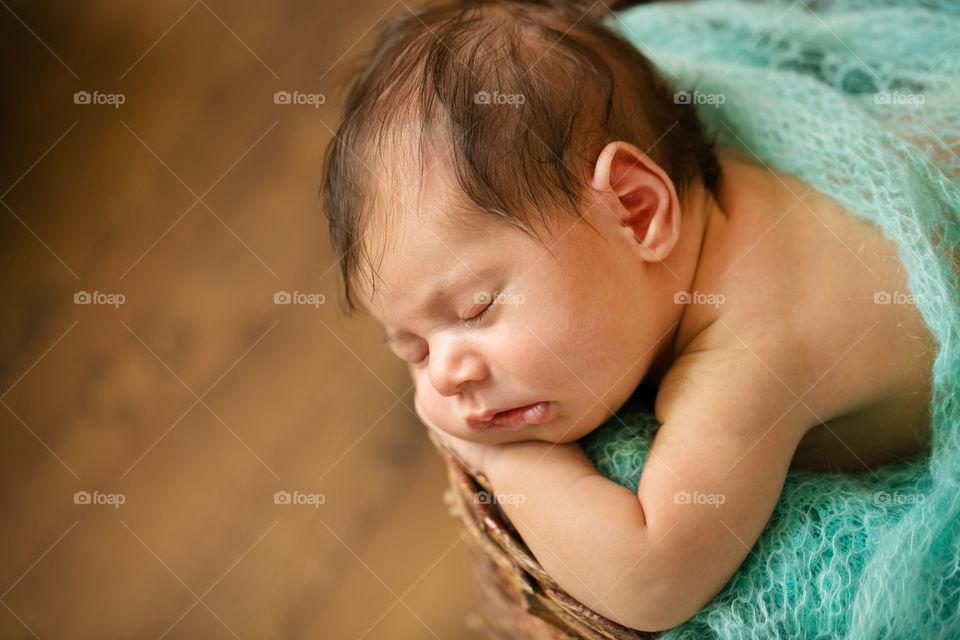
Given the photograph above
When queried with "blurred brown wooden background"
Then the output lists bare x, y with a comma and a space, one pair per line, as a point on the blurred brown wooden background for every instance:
198, 398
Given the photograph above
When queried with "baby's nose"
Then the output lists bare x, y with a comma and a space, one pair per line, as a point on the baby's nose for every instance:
451, 369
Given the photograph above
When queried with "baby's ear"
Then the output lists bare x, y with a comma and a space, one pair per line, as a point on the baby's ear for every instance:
640, 196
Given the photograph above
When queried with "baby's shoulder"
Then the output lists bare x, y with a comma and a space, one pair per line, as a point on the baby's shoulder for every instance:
800, 322
722, 378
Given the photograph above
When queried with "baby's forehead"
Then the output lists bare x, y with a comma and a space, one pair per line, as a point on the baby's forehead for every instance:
407, 222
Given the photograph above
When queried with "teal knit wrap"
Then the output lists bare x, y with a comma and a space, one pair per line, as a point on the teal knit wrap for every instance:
862, 101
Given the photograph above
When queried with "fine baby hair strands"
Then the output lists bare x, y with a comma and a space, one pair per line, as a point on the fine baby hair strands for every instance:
425, 105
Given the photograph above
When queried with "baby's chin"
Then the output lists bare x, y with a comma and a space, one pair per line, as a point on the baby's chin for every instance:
550, 433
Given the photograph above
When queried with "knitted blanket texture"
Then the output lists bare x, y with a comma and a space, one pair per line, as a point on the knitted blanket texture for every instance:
861, 100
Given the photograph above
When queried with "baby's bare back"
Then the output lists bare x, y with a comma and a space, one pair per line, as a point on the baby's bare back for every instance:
819, 298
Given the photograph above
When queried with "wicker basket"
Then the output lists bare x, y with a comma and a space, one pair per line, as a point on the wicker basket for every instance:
519, 600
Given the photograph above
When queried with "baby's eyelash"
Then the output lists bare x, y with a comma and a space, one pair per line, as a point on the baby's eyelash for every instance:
470, 322
475, 319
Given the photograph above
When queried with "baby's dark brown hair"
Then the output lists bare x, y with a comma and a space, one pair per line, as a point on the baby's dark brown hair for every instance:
520, 96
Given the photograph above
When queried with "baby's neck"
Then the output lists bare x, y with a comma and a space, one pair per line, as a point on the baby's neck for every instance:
704, 218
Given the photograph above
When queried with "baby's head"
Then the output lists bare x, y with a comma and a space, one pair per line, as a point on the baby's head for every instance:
504, 196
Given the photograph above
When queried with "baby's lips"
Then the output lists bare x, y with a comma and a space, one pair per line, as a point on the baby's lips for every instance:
536, 413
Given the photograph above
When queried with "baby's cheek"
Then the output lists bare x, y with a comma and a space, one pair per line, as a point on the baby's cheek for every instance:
436, 409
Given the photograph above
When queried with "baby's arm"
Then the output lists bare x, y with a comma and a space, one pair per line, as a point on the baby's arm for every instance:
729, 431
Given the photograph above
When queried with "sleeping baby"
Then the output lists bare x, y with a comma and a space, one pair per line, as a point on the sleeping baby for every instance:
542, 226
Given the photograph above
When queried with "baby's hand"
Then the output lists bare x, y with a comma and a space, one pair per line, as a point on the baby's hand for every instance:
476, 455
